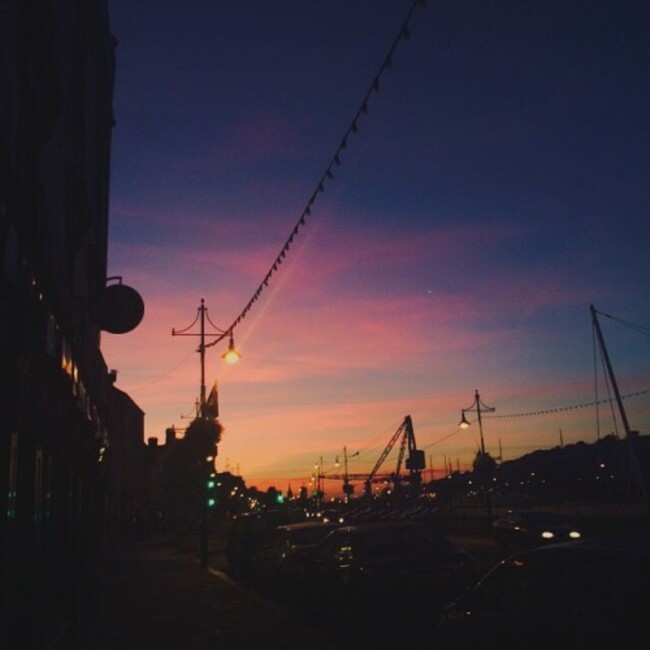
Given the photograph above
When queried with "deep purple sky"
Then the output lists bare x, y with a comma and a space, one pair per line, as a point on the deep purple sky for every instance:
496, 187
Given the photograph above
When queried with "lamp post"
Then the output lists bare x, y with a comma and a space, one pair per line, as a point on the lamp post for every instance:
231, 355
476, 407
348, 488
318, 467
482, 464
207, 410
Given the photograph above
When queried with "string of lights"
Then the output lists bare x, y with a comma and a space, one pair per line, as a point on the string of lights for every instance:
566, 408
328, 175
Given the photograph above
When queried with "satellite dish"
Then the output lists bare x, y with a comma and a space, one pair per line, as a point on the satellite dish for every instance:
119, 309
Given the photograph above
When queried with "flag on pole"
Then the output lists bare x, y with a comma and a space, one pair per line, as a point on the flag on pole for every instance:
212, 403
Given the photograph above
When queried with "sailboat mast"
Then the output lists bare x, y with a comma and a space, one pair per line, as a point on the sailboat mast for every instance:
612, 378
630, 436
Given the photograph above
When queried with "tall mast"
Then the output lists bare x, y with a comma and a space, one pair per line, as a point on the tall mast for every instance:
610, 372
630, 436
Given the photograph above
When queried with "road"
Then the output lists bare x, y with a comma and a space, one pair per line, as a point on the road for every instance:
380, 624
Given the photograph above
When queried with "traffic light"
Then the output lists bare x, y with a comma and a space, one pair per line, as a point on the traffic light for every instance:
211, 491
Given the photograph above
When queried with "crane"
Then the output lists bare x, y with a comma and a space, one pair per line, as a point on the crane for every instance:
415, 462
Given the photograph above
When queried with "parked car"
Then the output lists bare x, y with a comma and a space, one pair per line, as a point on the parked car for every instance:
249, 532
397, 564
335, 515
285, 557
519, 529
577, 595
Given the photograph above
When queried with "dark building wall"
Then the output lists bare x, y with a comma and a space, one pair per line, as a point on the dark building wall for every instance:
56, 120
128, 491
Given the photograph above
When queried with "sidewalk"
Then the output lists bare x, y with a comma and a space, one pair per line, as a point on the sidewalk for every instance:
154, 597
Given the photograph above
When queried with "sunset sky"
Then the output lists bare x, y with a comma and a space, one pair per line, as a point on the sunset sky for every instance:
496, 186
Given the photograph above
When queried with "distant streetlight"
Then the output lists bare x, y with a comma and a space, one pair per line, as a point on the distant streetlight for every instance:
348, 488
320, 493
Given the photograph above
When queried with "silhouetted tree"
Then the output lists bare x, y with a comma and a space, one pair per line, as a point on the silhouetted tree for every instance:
186, 469
201, 438
484, 465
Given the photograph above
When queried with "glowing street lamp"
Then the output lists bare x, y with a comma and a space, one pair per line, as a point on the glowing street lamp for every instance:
478, 407
230, 356
208, 411
483, 462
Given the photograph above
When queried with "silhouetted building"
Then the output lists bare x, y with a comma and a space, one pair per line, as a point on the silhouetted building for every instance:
56, 120
158, 457
128, 488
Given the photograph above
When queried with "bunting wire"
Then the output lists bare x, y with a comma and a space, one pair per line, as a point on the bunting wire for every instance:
534, 413
328, 175
565, 408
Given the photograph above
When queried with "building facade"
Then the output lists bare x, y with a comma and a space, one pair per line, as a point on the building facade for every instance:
57, 398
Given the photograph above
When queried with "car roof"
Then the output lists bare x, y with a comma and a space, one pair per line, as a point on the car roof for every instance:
634, 544
534, 513
386, 525
364, 528
309, 524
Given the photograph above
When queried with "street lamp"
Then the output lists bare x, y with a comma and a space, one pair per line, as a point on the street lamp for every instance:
231, 355
477, 407
348, 488
207, 411
319, 481
483, 463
